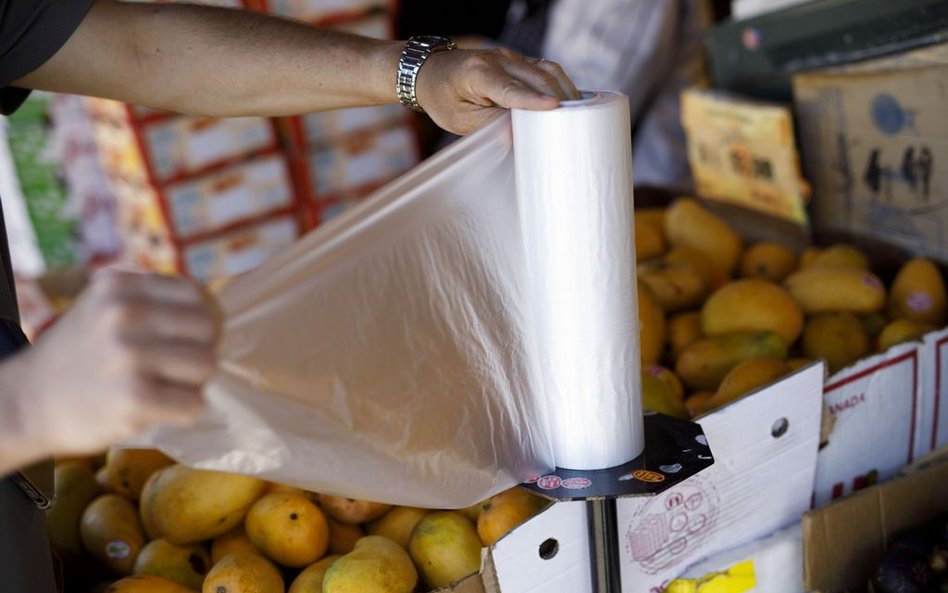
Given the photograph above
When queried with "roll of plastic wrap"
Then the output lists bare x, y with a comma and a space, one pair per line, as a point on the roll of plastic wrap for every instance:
573, 169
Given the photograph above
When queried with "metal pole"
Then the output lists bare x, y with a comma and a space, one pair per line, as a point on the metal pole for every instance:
603, 545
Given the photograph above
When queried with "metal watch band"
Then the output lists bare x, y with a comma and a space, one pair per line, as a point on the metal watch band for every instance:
416, 51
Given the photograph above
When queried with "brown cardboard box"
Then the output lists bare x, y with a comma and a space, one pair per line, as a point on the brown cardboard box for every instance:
844, 540
874, 145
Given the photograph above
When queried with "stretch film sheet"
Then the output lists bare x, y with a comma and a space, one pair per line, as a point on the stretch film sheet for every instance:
468, 326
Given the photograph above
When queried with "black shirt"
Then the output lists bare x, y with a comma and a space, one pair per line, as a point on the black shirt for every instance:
31, 32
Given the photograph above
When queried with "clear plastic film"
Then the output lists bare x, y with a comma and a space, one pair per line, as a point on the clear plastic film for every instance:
410, 351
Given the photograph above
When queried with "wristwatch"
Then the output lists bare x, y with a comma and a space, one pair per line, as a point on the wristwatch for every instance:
416, 51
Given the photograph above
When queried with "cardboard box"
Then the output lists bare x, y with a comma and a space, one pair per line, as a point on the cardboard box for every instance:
845, 540
874, 147
761, 482
240, 250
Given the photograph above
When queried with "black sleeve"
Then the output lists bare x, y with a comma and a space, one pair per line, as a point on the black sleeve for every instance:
31, 32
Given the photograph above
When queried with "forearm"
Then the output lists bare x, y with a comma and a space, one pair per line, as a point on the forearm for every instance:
18, 445
216, 61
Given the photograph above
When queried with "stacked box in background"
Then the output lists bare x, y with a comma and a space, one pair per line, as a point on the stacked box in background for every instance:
194, 185
342, 155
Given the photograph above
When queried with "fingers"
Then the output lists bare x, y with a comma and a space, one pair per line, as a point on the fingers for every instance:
187, 364
117, 283
168, 403
567, 87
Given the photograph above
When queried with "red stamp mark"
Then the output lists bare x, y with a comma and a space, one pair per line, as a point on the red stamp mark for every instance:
670, 526
549, 482
576, 483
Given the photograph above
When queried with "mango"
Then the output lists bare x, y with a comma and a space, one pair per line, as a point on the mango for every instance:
651, 215
243, 572
235, 540
902, 330
145, 505
840, 255
808, 255
445, 547
798, 362
704, 363
752, 304
746, 376
75, 489
185, 565
668, 377
688, 223
649, 239
713, 277
837, 338
146, 583
506, 510
190, 505
343, 536
112, 533
676, 286
918, 293
651, 326
310, 579
822, 289
696, 400
127, 469
768, 260
873, 324
682, 329
352, 510
398, 523
376, 565
288, 529
274, 487
658, 396
472, 512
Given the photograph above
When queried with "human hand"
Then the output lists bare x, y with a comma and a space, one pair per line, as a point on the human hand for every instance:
134, 349
461, 90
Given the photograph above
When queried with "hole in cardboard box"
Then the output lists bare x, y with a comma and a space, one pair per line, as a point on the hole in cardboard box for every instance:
549, 548
779, 427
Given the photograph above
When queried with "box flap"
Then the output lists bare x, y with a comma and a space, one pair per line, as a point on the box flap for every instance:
844, 540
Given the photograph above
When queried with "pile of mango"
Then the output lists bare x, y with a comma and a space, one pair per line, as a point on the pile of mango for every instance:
134, 521
721, 316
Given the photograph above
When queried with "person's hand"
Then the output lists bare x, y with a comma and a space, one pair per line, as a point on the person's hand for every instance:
461, 90
134, 349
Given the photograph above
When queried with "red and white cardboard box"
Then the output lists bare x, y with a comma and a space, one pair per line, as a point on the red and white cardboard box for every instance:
240, 250
888, 410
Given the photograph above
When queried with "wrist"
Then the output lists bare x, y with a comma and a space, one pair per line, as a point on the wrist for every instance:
413, 56
22, 437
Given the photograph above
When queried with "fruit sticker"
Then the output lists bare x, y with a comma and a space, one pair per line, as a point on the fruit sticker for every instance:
550, 482
919, 302
117, 549
644, 475
576, 483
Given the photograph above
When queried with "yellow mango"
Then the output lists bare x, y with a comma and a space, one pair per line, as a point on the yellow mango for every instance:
288, 529
352, 510
704, 363
146, 583
808, 255
676, 286
902, 330
112, 533
658, 396
752, 304
235, 540
649, 240
310, 579
689, 223
243, 572
185, 565
918, 293
840, 255
837, 338
682, 329
696, 400
651, 326
822, 289
873, 324
128, 468
768, 260
343, 536
652, 215
700, 262
375, 565
505, 511
445, 547
398, 523
746, 376
75, 489
668, 377
189, 505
